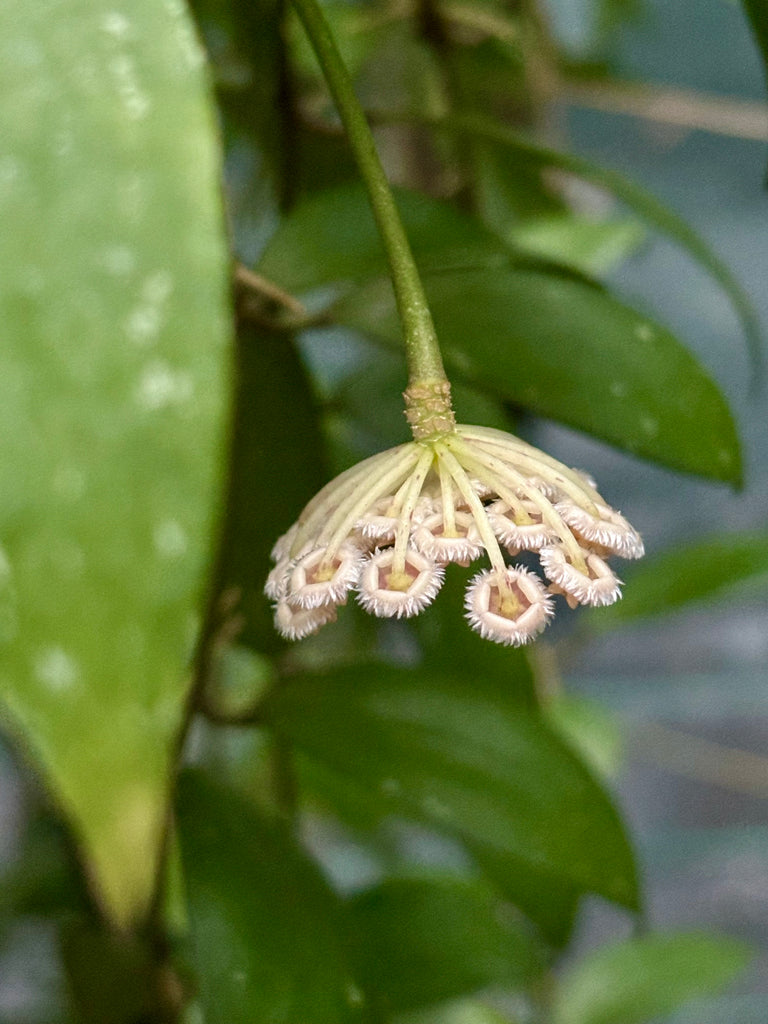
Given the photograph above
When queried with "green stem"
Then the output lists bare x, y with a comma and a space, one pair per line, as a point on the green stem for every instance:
421, 347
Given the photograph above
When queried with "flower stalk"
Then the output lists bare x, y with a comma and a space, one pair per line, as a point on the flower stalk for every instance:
386, 529
428, 395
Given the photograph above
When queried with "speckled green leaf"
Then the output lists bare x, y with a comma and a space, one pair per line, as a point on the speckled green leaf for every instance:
569, 351
113, 381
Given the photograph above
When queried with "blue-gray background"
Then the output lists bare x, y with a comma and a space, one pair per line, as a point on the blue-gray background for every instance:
698, 810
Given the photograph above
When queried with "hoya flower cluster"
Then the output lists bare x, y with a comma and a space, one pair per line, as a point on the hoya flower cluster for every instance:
385, 530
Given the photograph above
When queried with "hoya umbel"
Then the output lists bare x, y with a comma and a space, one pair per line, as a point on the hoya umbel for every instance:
383, 532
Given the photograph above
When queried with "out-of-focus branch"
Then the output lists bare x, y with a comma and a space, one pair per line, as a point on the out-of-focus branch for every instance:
703, 760
267, 290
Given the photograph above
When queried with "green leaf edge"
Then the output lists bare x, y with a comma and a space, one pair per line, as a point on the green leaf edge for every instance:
635, 196
751, 546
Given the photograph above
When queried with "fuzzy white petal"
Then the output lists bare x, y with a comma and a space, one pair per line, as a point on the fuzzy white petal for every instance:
485, 612
282, 548
297, 623
277, 580
610, 531
599, 586
379, 527
379, 599
312, 583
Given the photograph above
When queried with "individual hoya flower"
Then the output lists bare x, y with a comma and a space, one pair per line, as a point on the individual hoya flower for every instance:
520, 527
448, 536
510, 607
398, 591
588, 580
314, 579
387, 527
379, 524
608, 529
297, 623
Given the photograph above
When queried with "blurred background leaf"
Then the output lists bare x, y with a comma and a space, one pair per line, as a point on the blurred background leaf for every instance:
268, 935
569, 351
642, 979
693, 572
427, 940
638, 199
463, 763
277, 463
556, 346
758, 19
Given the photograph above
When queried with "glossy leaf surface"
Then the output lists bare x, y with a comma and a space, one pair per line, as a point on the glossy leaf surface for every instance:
268, 940
568, 351
437, 751
113, 394
425, 940
537, 334
637, 198
332, 237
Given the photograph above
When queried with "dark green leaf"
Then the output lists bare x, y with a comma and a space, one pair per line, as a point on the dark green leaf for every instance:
43, 879
654, 212
549, 900
568, 351
641, 979
757, 13
689, 573
245, 47
277, 464
440, 752
332, 237
268, 940
112, 979
498, 673
322, 161
113, 391
422, 941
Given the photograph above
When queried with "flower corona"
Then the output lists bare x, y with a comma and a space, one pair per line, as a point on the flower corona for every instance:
385, 529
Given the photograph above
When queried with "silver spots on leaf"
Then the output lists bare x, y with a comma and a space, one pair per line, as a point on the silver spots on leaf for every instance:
161, 386
55, 669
